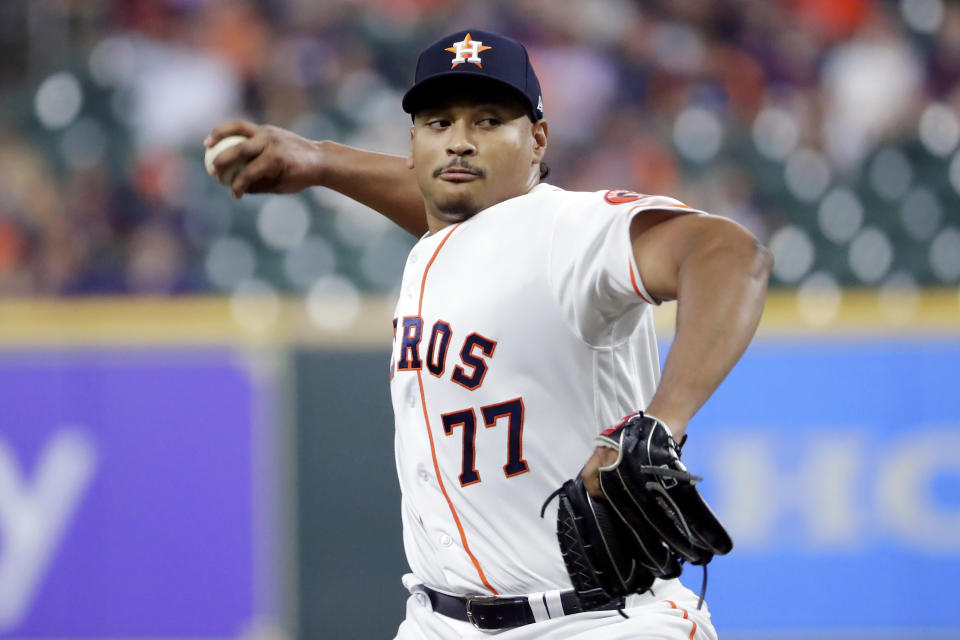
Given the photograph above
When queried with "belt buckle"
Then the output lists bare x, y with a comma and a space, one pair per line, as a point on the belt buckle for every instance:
481, 599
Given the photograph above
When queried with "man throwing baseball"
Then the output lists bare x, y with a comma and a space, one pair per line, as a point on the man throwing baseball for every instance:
536, 440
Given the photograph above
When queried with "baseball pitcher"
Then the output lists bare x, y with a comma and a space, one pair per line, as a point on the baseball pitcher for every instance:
538, 445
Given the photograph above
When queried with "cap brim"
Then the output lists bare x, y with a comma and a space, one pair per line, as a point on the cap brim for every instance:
426, 91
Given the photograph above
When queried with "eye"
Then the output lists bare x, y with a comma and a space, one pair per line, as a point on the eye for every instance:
491, 122
438, 123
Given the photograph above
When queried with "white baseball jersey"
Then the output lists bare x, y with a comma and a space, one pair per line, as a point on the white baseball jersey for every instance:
521, 333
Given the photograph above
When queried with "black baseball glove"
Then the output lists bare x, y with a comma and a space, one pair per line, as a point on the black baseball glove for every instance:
596, 548
651, 520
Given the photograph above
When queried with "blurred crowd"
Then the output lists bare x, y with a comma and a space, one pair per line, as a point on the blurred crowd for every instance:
828, 127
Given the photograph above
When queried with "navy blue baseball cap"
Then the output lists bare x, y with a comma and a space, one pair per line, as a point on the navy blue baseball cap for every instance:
480, 55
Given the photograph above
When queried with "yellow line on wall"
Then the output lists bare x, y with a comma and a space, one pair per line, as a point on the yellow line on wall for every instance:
189, 321
862, 311
275, 321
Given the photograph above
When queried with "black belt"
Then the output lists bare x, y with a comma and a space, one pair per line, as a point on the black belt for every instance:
494, 612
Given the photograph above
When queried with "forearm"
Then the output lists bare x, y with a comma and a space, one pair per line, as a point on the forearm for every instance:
381, 181
720, 296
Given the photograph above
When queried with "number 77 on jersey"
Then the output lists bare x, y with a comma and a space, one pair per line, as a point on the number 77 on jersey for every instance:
475, 348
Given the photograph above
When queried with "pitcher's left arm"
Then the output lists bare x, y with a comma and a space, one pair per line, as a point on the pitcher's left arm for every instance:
717, 272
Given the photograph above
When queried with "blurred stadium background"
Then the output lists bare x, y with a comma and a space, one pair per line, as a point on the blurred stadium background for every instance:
196, 435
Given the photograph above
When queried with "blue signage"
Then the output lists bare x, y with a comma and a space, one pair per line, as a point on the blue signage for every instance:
836, 465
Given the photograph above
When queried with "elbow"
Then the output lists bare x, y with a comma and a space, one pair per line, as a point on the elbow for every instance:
755, 261
762, 263
733, 244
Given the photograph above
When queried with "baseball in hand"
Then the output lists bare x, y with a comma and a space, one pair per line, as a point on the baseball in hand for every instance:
227, 175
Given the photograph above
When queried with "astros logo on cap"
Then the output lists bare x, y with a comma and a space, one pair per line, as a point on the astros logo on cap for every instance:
468, 46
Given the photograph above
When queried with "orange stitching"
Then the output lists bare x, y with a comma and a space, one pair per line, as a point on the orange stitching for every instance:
685, 617
426, 270
443, 489
426, 418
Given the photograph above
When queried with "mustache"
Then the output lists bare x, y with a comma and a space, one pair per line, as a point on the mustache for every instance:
460, 163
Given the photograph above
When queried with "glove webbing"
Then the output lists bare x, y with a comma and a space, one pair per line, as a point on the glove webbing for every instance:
660, 471
657, 471
671, 473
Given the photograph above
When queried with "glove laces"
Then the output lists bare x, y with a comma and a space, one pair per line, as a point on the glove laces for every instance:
703, 588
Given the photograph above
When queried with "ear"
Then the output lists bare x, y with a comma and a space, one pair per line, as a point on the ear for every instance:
410, 154
541, 133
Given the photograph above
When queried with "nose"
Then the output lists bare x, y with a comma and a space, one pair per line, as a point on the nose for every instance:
459, 143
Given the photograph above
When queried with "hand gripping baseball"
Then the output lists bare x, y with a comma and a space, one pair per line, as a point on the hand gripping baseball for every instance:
271, 160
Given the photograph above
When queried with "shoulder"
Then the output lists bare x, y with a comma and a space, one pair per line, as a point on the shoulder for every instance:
555, 200
612, 202
546, 204
634, 201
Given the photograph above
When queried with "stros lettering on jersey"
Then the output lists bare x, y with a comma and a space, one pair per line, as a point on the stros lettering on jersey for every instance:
520, 334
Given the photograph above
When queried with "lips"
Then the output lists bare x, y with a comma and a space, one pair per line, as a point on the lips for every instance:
458, 174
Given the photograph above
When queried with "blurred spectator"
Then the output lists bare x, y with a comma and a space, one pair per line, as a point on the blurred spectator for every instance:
871, 83
829, 128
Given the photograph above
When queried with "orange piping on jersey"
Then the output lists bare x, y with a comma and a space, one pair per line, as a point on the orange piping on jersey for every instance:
633, 281
685, 617
443, 489
426, 419
426, 269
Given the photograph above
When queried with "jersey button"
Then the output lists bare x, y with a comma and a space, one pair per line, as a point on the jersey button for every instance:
411, 400
422, 474
413, 258
445, 540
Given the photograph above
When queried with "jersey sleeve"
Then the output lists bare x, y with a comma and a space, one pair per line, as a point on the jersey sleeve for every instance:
593, 272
